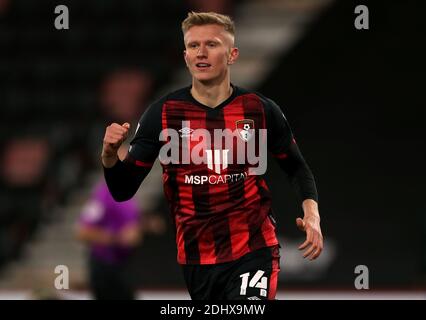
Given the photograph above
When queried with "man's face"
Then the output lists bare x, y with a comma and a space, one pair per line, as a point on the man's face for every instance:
209, 51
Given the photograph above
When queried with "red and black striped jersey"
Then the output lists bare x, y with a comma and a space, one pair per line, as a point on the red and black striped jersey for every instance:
219, 209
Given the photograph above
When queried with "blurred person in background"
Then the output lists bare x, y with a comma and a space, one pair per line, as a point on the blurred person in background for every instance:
112, 231
225, 229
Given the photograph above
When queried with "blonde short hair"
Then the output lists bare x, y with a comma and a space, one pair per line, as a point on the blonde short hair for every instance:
203, 18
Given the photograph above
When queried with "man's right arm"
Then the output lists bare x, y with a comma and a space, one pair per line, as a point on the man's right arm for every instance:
124, 177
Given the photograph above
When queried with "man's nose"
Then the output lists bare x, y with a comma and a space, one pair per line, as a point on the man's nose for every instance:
202, 52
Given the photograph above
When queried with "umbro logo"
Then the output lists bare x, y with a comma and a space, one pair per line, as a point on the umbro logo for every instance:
186, 132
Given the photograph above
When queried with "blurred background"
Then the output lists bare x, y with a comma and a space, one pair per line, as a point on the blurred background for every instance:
354, 99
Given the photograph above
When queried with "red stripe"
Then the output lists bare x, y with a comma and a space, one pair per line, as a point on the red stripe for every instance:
268, 233
206, 247
186, 203
180, 243
164, 118
280, 156
263, 184
143, 164
273, 280
184, 212
268, 228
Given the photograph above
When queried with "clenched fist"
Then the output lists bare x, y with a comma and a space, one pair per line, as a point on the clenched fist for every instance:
115, 135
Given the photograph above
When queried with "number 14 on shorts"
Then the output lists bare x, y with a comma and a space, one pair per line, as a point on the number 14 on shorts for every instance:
257, 281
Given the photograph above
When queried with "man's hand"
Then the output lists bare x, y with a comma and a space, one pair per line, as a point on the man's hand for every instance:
311, 225
95, 235
129, 236
115, 135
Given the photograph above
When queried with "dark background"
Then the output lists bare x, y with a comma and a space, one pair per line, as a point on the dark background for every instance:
354, 99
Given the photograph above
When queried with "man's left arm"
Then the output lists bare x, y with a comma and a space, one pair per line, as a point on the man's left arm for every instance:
285, 150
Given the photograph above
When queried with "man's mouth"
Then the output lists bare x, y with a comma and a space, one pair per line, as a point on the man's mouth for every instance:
202, 65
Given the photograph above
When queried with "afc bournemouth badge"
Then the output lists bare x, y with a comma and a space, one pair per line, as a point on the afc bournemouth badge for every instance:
245, 128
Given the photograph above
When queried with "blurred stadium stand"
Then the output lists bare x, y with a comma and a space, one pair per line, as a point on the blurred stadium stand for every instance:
295, 51
50, 97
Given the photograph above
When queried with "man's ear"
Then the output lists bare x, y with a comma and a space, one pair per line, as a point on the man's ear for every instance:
184, 57
233, 56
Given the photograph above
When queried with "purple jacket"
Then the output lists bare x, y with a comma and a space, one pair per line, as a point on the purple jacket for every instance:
104, 212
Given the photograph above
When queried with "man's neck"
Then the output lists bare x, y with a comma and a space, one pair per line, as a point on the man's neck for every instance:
211, 95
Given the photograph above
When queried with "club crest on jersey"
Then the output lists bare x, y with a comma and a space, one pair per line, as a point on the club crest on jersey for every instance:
245, 128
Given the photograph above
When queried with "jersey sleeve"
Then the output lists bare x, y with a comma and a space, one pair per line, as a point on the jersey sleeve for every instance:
280, 135
283, 147
145, 145
125, 177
